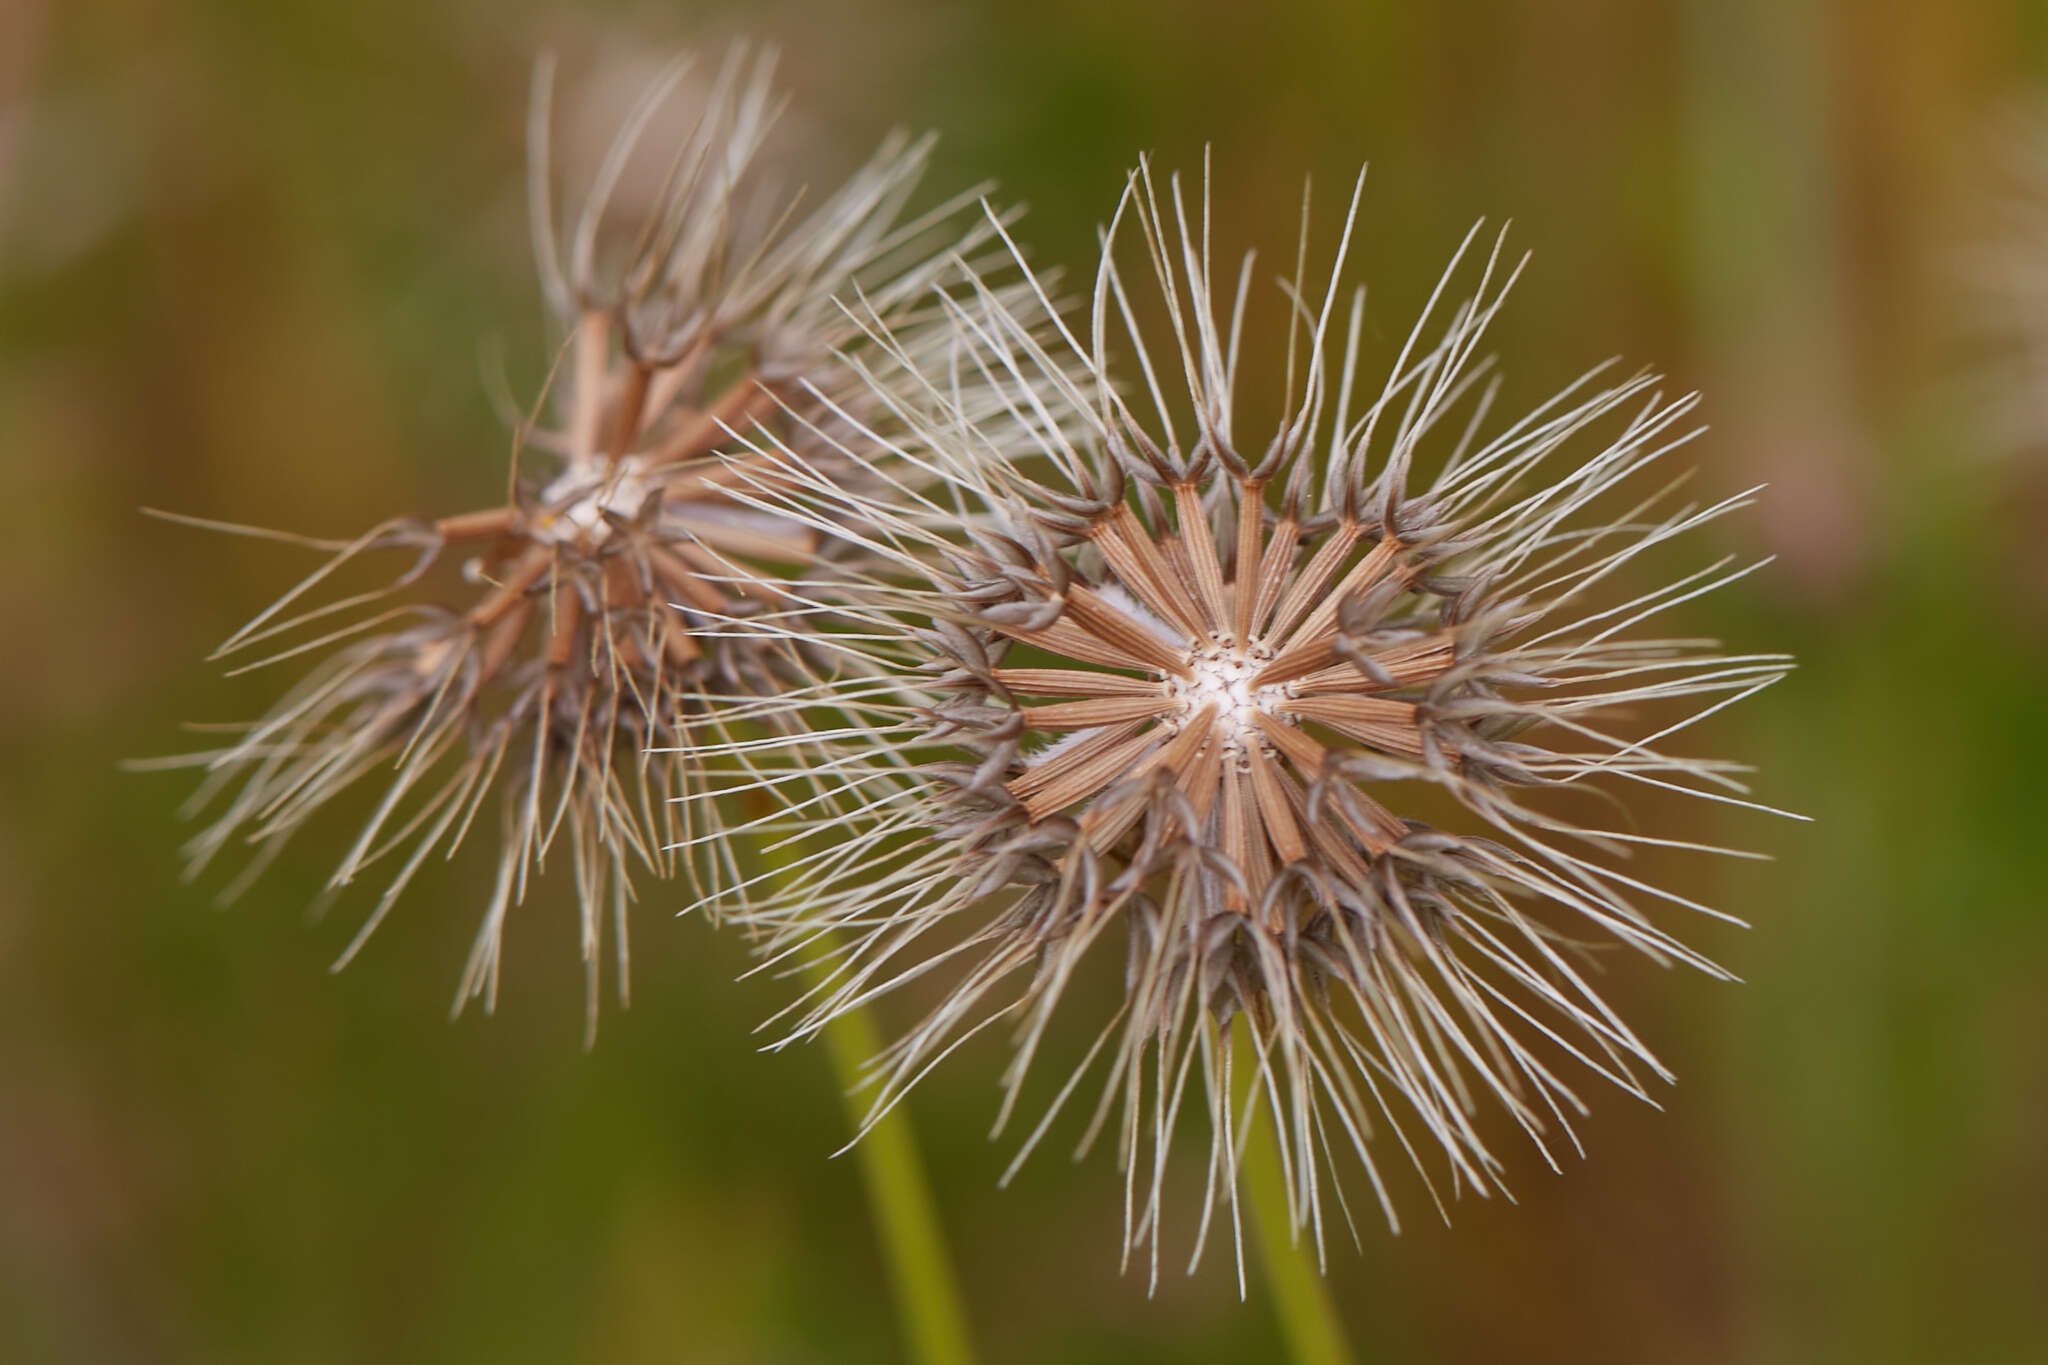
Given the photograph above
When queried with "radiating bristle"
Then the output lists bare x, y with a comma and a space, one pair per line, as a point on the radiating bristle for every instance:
1137, 680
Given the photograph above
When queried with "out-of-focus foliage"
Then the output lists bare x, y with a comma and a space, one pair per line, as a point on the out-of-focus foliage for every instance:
253, 261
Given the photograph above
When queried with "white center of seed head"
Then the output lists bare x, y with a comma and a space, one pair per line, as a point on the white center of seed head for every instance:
1222, 678
577, 500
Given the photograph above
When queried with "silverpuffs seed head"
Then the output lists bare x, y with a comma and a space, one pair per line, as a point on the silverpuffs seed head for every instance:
1298, 719
534, 691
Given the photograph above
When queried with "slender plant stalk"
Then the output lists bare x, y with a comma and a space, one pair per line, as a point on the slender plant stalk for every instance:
1301, 1296
929, 1304
928, 1300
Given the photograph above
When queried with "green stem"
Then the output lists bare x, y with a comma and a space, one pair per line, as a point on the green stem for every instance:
929, 1304
928, 1298
1301, 1296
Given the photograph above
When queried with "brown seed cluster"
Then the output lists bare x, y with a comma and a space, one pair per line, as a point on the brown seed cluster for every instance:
1226, 677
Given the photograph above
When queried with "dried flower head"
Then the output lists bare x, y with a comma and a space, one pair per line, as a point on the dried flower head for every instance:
602, 591
1297, 721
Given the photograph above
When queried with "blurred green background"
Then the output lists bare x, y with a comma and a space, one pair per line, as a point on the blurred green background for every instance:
250, 256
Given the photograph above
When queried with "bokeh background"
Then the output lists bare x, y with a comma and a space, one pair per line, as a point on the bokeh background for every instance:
253, 259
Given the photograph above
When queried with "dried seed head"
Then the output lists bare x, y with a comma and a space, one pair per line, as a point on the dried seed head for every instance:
1297, 729
603, 595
